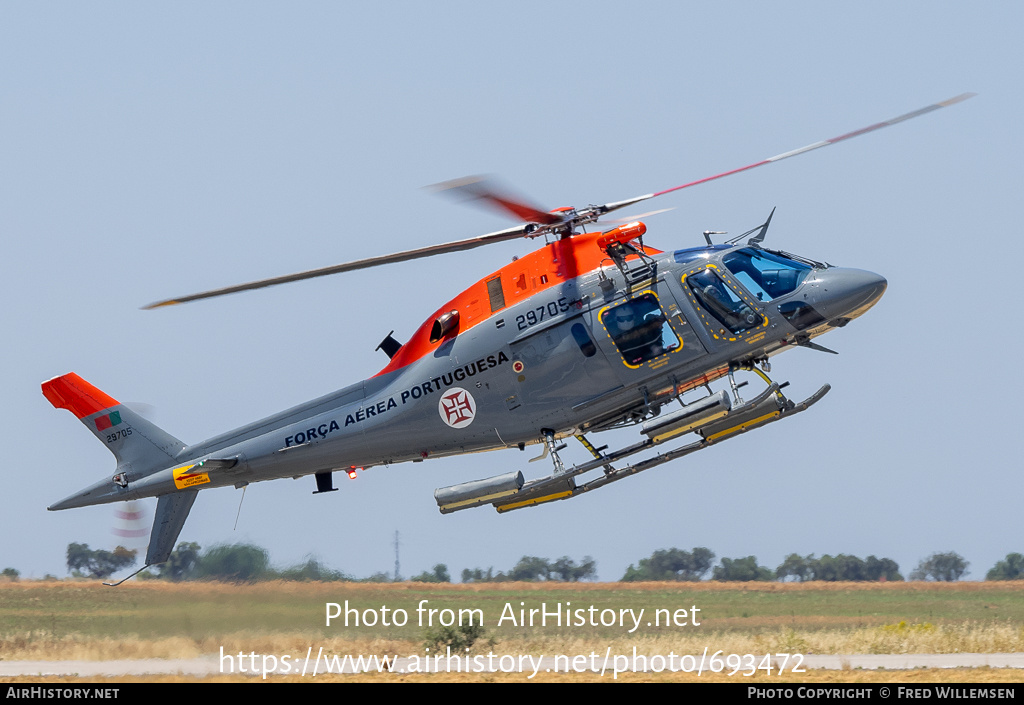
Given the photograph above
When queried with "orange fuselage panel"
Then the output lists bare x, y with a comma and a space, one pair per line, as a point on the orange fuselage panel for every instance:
547, 267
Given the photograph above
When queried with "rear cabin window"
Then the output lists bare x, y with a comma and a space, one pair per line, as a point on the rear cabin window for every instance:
579, 334
639, 329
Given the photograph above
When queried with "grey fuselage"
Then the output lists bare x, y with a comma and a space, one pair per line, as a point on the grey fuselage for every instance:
548, 362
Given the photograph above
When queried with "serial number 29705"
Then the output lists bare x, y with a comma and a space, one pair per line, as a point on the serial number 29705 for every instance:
120, 433
535, 316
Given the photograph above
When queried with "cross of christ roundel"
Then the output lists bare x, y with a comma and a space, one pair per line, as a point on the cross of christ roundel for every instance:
457, 407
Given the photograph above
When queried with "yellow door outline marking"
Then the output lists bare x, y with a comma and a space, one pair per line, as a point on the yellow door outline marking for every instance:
715, 325
668, 322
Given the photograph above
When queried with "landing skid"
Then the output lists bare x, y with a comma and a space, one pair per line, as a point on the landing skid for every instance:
768, 407
127, 577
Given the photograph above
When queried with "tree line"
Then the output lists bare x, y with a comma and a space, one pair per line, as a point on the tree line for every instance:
248, 563
532, 568
676, 564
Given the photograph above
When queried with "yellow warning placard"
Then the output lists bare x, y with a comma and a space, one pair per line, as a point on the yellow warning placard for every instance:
185, 477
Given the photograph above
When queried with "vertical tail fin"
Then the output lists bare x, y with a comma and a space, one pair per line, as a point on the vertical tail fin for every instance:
136, 443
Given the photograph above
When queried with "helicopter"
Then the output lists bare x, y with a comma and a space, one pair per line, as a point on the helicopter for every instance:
594, 330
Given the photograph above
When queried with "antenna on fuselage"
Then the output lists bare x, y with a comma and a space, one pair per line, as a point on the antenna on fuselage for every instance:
761, 231
240, 500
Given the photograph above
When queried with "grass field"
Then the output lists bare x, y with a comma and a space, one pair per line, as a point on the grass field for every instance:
84, 620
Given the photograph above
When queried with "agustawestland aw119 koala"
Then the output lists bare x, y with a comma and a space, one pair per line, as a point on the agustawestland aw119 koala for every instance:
594, 330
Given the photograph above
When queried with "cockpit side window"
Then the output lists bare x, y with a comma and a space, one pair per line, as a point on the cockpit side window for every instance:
639, 329
766, 275
722, 302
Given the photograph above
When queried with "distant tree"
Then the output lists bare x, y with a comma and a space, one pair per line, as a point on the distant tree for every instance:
850, 568
312, 570
882, 569
237, 563
840, 567
10, 574
181, 563
377, 578
79, 557
534, 568
566, 570
796, 567
836, 568
530, 568
476, 575
106, 563
1012, 568
438, 575
633, 575
741, 569
941, 567
672, 564
97, 564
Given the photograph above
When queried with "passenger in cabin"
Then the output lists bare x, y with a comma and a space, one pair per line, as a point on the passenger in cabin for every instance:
636, 329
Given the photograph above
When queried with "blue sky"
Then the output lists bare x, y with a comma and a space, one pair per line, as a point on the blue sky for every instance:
152, 150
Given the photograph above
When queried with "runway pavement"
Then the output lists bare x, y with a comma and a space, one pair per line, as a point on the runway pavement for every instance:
213, 665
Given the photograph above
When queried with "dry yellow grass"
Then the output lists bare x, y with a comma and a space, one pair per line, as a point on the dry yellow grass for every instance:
31, 602
917, 639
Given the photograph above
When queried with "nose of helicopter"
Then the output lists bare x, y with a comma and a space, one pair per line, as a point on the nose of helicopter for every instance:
849, 293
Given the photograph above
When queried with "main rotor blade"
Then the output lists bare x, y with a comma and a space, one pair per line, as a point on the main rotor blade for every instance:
486, 190
638, 216
792, 153
455, 246
477, 188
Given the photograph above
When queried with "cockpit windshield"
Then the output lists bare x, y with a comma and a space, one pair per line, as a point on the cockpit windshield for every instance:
765, 274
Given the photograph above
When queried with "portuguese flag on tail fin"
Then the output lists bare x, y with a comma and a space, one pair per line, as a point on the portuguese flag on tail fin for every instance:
108, 420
